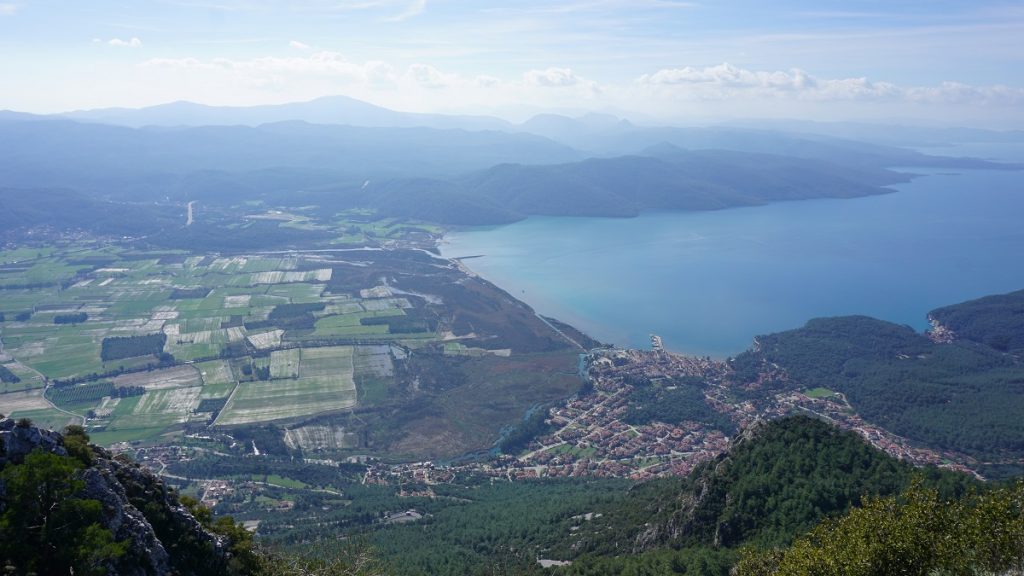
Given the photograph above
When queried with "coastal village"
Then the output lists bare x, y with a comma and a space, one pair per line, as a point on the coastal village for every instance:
589, 435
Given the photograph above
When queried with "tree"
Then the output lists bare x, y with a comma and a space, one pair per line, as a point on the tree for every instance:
45, 529
915, 533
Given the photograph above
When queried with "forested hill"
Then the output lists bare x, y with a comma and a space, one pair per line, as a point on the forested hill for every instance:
996, 321
663, 178
63, 209
966, 395
69, 507
778, 480
442, 176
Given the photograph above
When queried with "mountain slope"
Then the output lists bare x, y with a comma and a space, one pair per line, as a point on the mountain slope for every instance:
964, 395
26, 208
65, 504
996, 321
151, 162
602, 137
666, 178
325, 110
777, 480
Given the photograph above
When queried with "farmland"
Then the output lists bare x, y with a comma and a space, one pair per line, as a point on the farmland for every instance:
172, 343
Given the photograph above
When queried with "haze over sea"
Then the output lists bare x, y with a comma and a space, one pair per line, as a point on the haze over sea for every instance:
708, 282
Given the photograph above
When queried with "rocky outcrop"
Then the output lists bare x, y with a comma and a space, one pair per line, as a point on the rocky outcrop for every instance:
137, 508
146, 553
18, 440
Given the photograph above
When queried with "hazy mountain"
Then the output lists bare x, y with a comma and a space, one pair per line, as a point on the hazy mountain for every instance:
326, 110
668, 178
601, 135
893, 135
450, 176
25, 208
579, 131
117, 160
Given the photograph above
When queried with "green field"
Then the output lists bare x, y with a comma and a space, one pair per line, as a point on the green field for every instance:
286, 399
327, 362
226, 339
216, 391
347, 326
819, 393
285, 363
46, 417
155, 409
215, 372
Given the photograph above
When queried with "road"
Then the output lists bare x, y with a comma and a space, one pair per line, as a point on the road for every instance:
45, 388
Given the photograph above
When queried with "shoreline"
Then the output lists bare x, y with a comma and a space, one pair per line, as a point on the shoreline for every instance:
459, 262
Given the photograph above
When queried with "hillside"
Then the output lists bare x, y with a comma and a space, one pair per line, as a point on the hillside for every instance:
150, 163
918, 532
996, 321
964, 396
63, 209
65, 504
777, 480
446, 176
324, 110
664, 178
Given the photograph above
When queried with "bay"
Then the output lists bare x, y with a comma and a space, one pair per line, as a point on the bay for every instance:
708, 282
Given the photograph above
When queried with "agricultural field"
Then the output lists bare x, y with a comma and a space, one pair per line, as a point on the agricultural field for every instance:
303, 383
285, 363
186, 376
344, 346
215, 372
207, 308
275, 400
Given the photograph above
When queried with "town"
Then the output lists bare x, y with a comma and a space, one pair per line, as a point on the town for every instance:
589, 435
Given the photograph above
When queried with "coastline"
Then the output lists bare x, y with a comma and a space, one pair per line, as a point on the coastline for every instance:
707, 282
553, 323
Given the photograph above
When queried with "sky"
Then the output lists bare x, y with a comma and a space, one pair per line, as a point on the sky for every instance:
913, 61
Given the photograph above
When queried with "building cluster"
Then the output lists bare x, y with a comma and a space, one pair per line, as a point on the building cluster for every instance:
836, 410
589, 436
213, 491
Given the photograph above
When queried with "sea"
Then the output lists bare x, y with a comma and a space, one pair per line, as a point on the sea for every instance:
709, 282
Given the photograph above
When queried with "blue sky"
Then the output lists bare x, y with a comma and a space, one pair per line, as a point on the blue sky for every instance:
667, 60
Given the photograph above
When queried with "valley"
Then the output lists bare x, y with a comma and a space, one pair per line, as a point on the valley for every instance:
571, 288
333, 372
162, 344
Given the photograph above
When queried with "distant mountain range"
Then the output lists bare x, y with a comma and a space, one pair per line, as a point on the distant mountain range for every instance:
595, 133
339, 153
662, 178
326, 110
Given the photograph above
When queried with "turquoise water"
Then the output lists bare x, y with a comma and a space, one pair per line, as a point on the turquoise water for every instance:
707, 282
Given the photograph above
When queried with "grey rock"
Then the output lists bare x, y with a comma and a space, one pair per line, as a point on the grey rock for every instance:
121, 487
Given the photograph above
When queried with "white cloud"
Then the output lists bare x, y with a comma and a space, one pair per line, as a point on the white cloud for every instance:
486, 81
131, 43
552, 77
728, 76
429, 77
300, 45
728, 82
675, 94
8, 9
